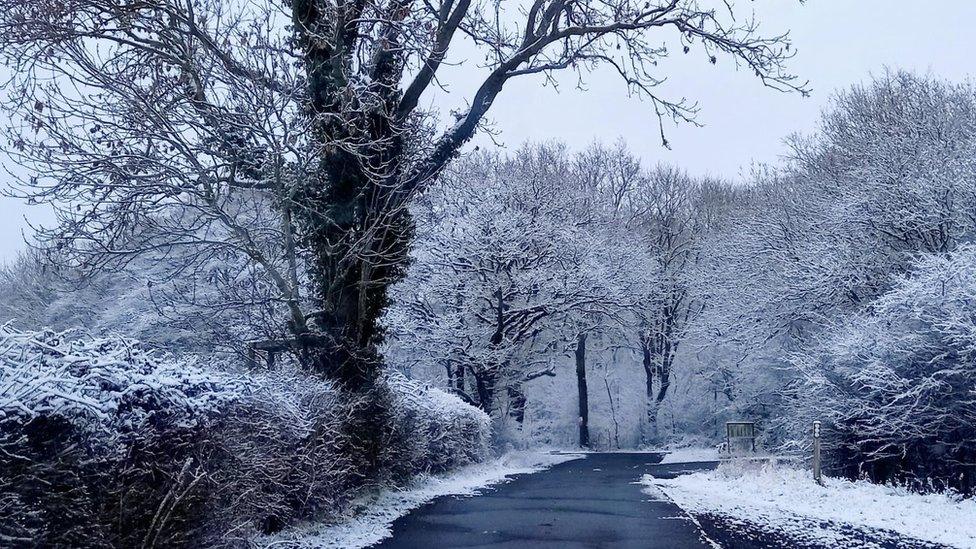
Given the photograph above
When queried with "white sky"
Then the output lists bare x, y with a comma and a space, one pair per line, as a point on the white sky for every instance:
838, 43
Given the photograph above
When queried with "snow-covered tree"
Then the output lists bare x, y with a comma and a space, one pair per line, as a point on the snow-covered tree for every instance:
167, 121
889, 176
517, 268
216, 308
666, 214
896, 384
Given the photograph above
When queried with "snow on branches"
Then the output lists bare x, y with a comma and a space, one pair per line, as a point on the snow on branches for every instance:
897, 384
110, 384
105, 443
518, 257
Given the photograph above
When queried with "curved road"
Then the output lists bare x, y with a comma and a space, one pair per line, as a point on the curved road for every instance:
591, 502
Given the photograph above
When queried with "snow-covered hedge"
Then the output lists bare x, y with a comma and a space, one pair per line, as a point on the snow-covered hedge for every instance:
103, 443
897, 386
109, 388
440, 431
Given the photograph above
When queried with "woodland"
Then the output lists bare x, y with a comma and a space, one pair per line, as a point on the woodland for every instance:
279, 278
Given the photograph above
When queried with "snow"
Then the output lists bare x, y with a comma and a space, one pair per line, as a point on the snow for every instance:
785, 499
440, 432
108, 384
377, 512
690, 455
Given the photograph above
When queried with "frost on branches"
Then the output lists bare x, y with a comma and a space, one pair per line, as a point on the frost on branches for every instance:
105, 443
888, 179
520, 263
108, 386
897, 384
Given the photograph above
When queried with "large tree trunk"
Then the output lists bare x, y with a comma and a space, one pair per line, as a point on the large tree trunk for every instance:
613, 414
584, 407
360, 251
516, 403
651, 414
353, 292
458, 381
351, 215
354, 215
484, 384
657, 369
664, 383
653, 408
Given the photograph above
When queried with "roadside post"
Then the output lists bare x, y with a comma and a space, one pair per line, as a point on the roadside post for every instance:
816, 452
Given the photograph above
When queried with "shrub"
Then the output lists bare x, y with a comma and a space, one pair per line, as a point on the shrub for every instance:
103, 443
98, 430
434, 431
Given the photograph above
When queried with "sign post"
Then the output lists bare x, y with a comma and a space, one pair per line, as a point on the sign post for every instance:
816, 452
740, 437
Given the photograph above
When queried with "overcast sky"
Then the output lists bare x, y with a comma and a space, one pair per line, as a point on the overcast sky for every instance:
838, 43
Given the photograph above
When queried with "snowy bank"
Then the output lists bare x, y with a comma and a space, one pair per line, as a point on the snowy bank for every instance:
375, 514
787, 500
690, 455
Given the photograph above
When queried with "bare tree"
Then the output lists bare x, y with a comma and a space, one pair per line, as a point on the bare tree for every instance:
666, 212
130, 108
151, 136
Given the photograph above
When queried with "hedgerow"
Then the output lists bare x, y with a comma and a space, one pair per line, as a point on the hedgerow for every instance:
104, 443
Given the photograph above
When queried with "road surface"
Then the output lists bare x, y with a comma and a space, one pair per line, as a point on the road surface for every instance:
592, 503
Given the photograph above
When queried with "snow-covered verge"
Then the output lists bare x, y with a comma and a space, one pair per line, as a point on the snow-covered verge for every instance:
104, 443
786, 500
690, 455
371, 517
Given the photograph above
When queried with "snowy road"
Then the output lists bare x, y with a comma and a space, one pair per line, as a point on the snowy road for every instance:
593, 502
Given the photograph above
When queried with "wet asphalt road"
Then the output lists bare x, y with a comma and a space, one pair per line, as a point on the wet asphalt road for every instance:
591, 502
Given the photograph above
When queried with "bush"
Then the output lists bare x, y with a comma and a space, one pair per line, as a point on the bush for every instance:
436, 431
99, 428
895, 386
103, 443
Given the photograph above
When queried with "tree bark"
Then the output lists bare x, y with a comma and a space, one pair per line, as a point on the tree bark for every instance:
651, 423
584, 408
657, 363
351, 219
484, 384
516, 402
664, 383
459, 379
